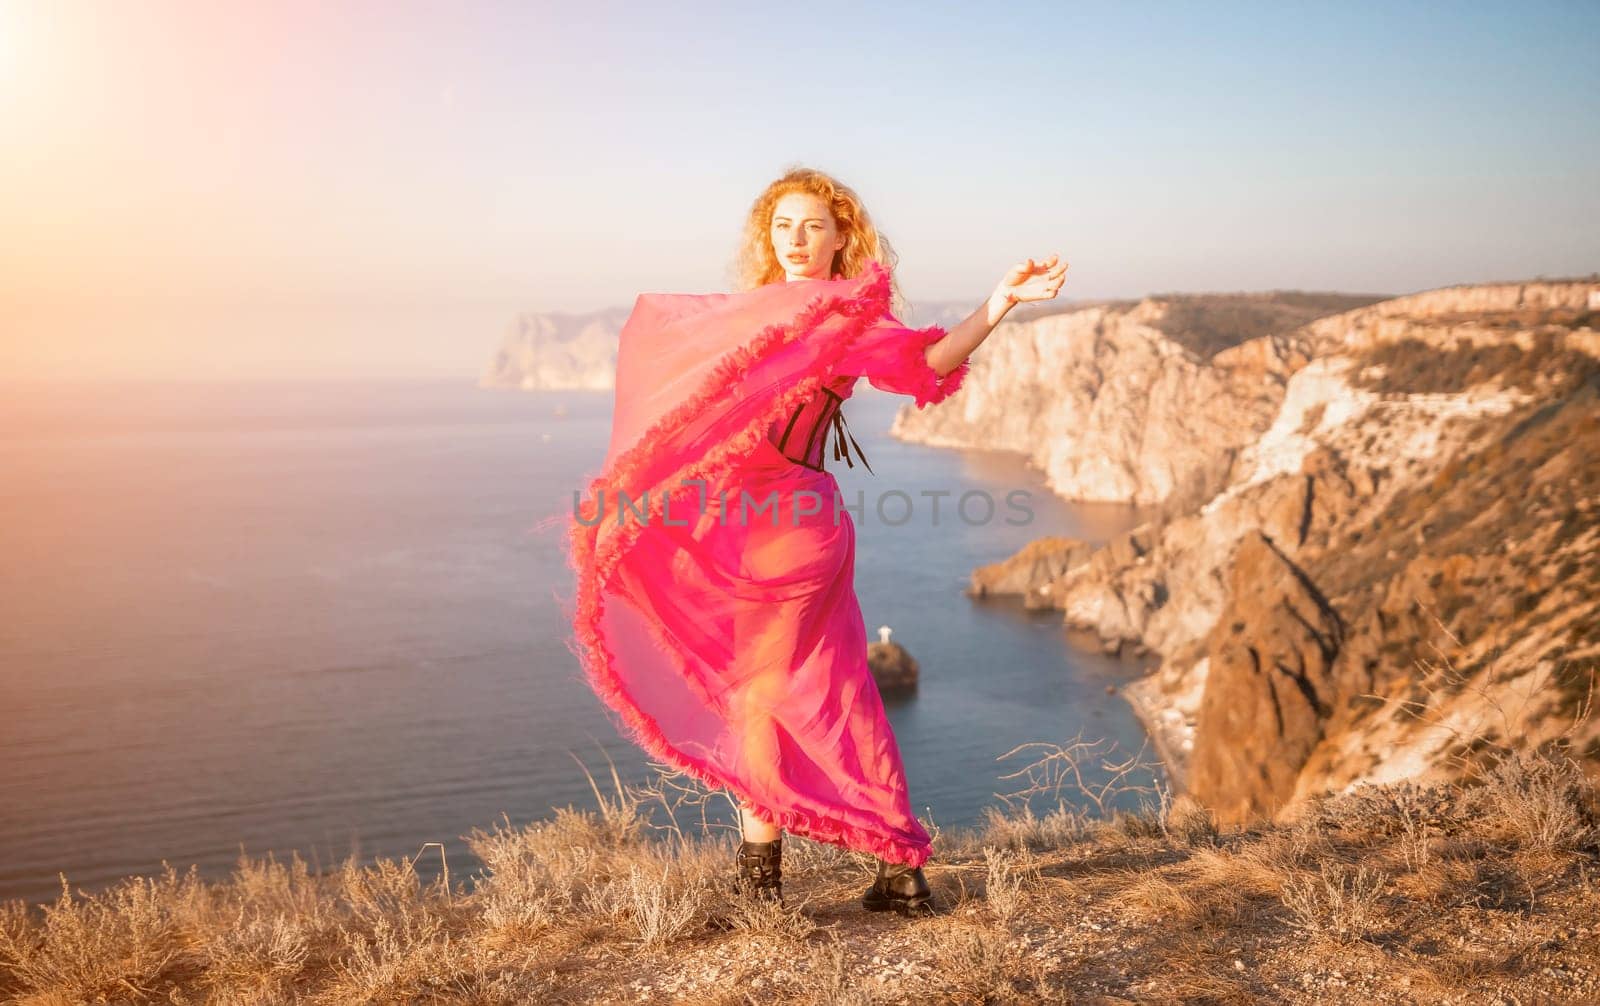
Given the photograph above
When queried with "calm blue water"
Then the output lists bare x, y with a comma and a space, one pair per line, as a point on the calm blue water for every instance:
318, 617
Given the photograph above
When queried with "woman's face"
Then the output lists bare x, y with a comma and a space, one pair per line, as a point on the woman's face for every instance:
805, 236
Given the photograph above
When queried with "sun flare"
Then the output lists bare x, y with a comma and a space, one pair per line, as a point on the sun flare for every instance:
15, 31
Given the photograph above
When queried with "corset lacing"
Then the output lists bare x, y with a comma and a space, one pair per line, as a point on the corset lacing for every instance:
805, 443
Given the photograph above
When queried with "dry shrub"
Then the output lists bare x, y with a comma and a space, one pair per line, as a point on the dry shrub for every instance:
1137, 824
1538, 799
981, 963
534, 876
650, 905
1291, 847
124, 942
1415, 839
1012, 875
787, 922
389, 964
1340, 902
1189, 823
1125, 831
395, 945
288, 888
1087, 769
258, 953
1384, 811
1023, 830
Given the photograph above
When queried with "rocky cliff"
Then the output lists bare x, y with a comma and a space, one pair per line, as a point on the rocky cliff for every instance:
556, 350
1131, 401
1377, 544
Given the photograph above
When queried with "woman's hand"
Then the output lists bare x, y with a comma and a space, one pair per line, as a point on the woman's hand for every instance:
1031, 280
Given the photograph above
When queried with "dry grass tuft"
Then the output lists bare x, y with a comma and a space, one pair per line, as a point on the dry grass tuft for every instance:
1188, 823
1541, 800
1344, 903
1012, 877
976, 963
124, 943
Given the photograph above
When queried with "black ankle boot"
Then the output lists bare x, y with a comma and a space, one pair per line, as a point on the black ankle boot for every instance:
760, 870
901, 888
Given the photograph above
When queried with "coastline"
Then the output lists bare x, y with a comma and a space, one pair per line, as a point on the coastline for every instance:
1164, 722
1168, 738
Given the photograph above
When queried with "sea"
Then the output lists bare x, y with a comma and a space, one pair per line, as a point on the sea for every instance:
330, 619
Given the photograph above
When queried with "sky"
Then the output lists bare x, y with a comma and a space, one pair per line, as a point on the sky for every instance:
204, 190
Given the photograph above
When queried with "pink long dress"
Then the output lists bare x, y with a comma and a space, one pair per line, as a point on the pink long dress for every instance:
729, 643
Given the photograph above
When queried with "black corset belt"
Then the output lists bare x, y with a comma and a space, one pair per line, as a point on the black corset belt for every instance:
804, 438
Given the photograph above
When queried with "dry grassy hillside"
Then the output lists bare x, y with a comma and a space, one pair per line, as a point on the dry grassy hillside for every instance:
1206, 324
1470, 894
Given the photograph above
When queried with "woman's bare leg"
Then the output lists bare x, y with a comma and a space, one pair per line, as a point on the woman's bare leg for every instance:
760, 747
765, 637
754, 829
763, 650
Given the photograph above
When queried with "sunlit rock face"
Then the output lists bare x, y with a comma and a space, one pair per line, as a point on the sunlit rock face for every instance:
1413, 478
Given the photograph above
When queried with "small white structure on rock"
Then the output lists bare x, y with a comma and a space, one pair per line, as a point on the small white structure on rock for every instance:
883, 633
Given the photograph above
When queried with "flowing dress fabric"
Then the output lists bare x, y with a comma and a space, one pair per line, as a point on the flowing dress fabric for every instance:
716, 612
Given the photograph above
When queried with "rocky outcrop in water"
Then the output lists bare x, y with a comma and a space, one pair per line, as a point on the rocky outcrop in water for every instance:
893, 668
1027, 573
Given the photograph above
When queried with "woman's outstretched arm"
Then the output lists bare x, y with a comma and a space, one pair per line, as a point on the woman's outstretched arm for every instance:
1028, 280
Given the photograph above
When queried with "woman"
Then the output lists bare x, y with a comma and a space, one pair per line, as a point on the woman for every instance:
716, 611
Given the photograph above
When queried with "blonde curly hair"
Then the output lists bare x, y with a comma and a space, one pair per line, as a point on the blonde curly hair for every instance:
757, 264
